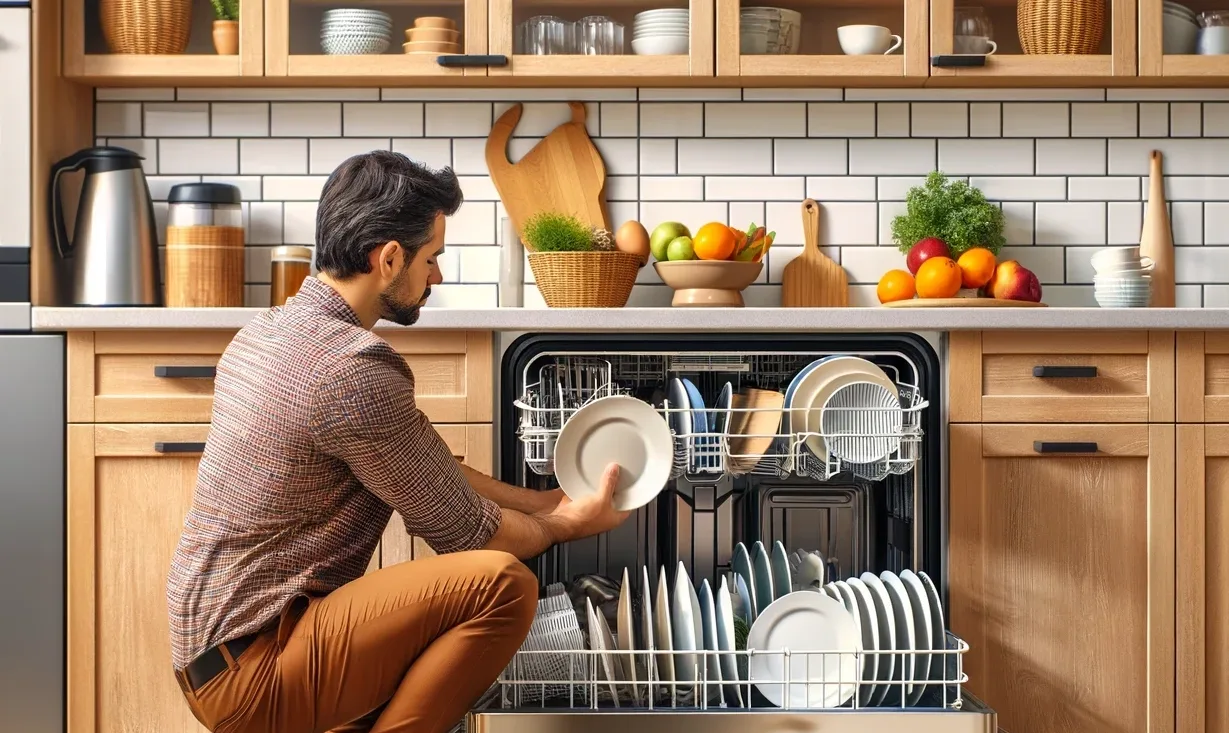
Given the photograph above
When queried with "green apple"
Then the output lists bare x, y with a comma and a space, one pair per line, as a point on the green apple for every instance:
681, 248
663, 235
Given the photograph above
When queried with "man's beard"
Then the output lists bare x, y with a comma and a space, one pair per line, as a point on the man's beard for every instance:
402, 314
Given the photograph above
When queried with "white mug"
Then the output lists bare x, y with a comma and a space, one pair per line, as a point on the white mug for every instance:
981, 45
1213, 40
862, 40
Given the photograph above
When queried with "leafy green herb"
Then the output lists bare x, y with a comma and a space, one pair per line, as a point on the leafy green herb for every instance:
550, 232
953, 211
225, 9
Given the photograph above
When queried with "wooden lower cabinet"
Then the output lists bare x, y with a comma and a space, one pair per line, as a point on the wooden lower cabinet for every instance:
126, 506
1062, 570
1203, 578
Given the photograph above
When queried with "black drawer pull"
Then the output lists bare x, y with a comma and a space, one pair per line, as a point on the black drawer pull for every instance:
1065, 372
466, 59
957, 60
1045, 446
186, 372
162, 447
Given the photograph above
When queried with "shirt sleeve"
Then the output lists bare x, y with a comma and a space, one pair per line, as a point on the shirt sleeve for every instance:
365, 415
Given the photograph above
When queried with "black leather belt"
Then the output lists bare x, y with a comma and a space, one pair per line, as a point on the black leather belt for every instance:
212, 663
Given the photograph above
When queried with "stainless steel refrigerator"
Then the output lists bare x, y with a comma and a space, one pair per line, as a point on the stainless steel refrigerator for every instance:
32, 517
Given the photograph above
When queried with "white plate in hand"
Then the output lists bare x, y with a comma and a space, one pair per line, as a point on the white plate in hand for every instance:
617, 429
804, 622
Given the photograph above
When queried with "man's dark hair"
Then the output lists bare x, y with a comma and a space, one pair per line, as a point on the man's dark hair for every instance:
376, 198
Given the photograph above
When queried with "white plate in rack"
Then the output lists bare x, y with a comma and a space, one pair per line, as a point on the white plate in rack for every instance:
617, 429
869, 626
764, 594
742, 566
601, 640
804, 622
922, 630
725, 642
684, 621
708, 625
886, 617
938, 662
663, 632
905, 637
627, 634
781, 581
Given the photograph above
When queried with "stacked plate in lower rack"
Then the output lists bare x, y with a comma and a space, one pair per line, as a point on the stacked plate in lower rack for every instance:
779, 631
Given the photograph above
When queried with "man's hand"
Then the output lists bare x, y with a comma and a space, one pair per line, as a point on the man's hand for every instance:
595, 513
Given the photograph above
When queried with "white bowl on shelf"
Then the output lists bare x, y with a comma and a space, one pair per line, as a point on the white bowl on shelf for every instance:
660, 45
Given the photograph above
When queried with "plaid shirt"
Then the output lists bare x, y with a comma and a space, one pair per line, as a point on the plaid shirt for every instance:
315, 440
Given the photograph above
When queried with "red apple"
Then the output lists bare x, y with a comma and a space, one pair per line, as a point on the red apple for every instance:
923, 250
1013, 281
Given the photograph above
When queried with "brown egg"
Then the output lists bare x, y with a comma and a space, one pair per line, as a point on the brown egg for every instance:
633, 238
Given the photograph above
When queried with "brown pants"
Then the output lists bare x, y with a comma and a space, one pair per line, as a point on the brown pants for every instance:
404, 649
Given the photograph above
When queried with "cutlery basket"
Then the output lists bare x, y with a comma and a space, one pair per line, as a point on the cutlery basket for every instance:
881, 515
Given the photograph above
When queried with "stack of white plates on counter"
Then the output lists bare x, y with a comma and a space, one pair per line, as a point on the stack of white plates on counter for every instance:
1123, 279
663, 32
1180, 29
355, 32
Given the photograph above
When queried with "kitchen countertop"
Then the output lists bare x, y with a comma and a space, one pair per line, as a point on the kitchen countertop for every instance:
643, 320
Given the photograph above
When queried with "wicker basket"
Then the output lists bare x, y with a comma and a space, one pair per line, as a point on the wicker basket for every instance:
146, 26
1060, 26
584, 279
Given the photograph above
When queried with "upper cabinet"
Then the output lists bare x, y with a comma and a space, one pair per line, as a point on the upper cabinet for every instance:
838, 39
388, 39
168, 40
602, 39
1054, 40
1186, 38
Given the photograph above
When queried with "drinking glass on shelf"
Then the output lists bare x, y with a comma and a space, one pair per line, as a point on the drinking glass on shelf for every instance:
545, 35
971, 20
599, 35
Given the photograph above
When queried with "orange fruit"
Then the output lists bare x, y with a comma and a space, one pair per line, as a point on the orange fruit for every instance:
714, 241
895, 285
976, 267
938, 277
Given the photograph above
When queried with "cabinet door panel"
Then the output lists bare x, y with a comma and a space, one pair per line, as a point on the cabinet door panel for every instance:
1062, 574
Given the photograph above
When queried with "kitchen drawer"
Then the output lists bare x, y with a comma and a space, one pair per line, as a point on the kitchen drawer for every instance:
1203, 381
167, 376
1061, 376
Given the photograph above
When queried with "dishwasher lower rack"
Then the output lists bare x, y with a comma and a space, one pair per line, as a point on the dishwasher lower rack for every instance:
597, 695
890, 433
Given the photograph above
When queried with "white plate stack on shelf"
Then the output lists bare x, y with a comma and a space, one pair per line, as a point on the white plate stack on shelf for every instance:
355, 32
663, 32
1123, 279
769, 31
1179, 29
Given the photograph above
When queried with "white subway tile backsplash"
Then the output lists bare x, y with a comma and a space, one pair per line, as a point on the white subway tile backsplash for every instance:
813, 156
755, 119
272, 156
725, 157
216, 156
1066, 166
305, 119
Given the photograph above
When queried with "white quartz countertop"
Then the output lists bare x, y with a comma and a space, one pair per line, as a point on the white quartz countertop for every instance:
645, 320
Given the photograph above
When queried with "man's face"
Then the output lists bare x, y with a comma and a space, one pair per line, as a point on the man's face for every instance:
405, 296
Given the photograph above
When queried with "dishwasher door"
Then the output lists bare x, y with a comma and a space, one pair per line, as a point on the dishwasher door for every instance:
32, 570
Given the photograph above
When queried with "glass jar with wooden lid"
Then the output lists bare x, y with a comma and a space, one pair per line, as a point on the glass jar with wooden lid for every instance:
291, 265
204, 246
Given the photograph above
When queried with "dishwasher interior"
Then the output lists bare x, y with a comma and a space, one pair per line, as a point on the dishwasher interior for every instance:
858, 518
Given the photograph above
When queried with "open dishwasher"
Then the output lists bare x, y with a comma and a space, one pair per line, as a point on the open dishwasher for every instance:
865, 518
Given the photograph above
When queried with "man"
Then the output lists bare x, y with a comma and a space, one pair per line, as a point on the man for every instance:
315, 439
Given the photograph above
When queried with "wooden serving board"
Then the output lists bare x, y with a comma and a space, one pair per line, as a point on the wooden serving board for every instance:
812, 279
563, 173
962, 303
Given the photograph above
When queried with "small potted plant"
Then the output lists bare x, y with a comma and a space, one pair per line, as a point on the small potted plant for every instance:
226, 27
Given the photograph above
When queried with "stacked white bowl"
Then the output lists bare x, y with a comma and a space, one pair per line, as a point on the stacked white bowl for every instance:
1179, 29
663, 32
1123, 279
770, 30
354, 32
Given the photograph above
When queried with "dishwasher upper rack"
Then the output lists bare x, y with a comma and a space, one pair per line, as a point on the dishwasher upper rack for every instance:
563, 388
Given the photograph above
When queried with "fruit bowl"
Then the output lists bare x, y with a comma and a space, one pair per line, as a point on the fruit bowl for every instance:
708, 283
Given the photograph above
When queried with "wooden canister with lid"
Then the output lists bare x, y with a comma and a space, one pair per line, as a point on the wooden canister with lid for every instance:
204, 246
290, 267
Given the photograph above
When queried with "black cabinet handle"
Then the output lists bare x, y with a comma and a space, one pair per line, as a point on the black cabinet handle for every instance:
957, 60
1045, 446
1065, 372
467, 59
186, 372
179, 447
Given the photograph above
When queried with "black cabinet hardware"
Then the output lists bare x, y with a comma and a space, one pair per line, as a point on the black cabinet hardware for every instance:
1065, 372
186, 372
179, 447
466, 59
957, 60
1046, 446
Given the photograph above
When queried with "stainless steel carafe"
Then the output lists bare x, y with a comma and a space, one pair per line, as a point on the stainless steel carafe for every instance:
112, 258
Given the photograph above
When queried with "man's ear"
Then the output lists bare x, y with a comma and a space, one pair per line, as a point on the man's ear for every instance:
384, 259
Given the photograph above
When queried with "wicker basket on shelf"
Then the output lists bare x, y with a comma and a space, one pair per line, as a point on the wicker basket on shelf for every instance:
584, 279
146, 26
1060, 26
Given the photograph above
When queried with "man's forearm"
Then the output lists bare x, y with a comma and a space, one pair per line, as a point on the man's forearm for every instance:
525, 501
529, 535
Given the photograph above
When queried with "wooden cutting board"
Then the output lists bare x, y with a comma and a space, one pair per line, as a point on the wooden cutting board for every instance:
962, 303
1156, 239
563, 173
812, 280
